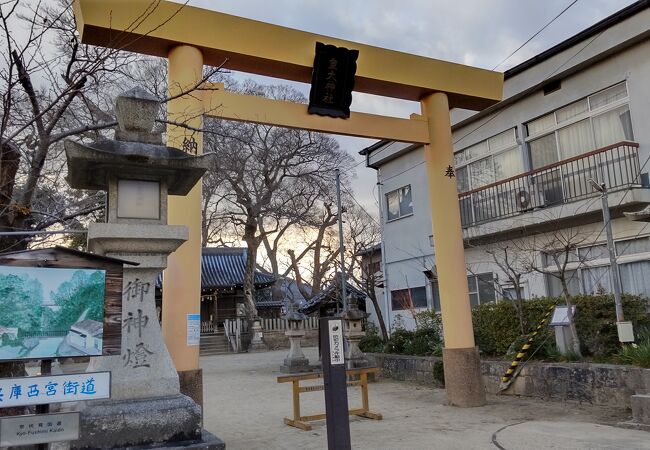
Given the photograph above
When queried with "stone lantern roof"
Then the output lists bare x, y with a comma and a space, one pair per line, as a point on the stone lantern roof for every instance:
136, 152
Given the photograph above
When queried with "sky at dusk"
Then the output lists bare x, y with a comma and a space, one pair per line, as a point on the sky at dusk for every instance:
475, 32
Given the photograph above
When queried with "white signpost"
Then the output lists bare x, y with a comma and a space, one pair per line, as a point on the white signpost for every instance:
336, 342
39, 428
54, 389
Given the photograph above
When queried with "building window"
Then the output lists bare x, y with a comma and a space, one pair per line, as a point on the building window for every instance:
373, 267
399, 203
588, 269
405, 299
488, 161
594, 122
480, 286
435, 295
510, 292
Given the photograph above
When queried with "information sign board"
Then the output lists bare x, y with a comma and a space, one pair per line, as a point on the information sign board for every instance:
193, 329
54, 389
336, 342
38, 429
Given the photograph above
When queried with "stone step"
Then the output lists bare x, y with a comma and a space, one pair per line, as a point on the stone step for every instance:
210, 352
214, 344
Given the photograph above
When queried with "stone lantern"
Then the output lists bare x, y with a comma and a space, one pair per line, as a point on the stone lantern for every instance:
295, 360
138, 173
353, 332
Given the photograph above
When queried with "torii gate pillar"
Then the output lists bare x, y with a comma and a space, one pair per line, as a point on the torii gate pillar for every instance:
182, 278
462, 365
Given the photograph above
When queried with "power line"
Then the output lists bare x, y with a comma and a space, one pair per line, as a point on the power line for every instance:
494, 116
536, 34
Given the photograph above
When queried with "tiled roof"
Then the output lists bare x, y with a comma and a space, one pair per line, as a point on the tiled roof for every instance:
92, 327
330, 294
224, 267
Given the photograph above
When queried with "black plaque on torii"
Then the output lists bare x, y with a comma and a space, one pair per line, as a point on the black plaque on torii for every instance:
332, 81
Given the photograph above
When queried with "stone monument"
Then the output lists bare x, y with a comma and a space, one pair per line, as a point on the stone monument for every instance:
146, 409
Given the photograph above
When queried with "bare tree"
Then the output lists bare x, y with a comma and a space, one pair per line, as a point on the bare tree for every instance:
362, 233
265, 173
515, 266
551, 254
49, 85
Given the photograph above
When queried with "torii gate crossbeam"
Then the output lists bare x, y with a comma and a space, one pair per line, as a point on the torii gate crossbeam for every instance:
191, 37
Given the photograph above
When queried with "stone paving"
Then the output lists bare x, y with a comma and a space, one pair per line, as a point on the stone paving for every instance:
244, 405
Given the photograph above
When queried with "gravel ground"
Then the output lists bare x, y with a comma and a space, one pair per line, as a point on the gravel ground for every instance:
244, 405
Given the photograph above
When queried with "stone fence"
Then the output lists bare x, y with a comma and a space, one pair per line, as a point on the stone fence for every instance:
598, 384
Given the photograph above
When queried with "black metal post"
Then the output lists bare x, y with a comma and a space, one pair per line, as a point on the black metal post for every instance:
46, 369
335, 381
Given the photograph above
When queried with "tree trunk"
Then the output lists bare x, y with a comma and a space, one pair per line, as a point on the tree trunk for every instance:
380, 317
572, 324
249, 271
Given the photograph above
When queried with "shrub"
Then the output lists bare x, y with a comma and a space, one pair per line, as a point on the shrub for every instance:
400, 340
371, 344
596, 322
425, 340
636, 354
496, 326
372, 341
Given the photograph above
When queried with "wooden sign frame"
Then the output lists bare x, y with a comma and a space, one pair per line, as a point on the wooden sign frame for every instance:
65, 258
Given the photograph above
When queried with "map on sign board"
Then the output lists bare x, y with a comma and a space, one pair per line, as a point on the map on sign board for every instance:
50, 312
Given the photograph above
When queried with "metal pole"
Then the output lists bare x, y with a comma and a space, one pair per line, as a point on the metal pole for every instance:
335, 383
616, 281
344, 297
46, 369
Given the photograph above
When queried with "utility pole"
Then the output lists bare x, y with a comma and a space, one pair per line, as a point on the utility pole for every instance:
616, 280
344, 298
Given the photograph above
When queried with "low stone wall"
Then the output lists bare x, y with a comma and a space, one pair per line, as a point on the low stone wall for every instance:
599, 384
276, 339
419, 369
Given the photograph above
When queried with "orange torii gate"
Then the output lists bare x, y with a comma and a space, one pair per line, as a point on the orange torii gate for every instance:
191, 37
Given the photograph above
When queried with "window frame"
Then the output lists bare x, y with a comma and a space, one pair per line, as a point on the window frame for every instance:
589, 114
397, 192
466, 163
392, 298
433, 283
579, 265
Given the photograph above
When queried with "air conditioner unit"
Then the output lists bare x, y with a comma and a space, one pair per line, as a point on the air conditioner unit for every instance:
523, 199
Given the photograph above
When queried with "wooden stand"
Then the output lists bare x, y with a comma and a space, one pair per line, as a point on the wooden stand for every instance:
299, 421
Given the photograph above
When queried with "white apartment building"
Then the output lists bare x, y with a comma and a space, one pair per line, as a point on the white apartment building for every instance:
578, 111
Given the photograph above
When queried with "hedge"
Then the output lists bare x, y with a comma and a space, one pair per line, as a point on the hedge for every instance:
496, 325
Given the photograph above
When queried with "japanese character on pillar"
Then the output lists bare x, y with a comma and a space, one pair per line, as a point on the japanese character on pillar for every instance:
190, 146
332, 81
137, 322
450, 172
137, 357
136, 289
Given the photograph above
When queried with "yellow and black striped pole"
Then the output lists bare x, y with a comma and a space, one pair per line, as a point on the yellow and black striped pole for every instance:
510, 373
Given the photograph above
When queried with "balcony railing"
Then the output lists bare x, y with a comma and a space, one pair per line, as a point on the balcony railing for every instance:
565, 181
